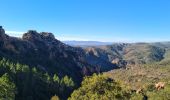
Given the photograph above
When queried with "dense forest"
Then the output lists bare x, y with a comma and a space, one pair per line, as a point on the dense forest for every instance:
21, 82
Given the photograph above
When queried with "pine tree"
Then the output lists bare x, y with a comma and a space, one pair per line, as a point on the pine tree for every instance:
56, 79
7, 88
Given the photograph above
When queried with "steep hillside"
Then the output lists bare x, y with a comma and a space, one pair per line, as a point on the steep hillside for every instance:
124, 54
112, 54
166, 57
142, 75
141, 53
126, 85
144, 79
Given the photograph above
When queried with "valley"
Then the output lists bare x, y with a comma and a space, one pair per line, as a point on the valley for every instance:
38, 66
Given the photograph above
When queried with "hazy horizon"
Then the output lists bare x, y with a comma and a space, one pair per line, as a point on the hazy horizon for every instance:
19, 35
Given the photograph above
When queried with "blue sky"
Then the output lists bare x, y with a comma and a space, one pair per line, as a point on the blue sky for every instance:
97, 20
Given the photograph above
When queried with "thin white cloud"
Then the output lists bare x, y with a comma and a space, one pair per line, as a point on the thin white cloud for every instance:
15, 33
71, 38
78, 38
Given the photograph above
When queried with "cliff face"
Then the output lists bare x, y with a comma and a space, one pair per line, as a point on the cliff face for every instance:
47, 53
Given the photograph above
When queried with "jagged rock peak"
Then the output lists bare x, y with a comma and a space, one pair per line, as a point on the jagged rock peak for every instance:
47, 35
3, 36
31, 34
2, 31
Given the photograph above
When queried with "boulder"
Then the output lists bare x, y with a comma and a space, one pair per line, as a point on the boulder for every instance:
140, 90
160, 85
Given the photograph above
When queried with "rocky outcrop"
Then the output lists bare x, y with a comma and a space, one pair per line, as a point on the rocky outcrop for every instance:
119, 62
47, 35
2, 31
34, 35
31, 35
3, 36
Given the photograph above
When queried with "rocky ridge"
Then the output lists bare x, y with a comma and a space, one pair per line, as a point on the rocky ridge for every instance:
49, 54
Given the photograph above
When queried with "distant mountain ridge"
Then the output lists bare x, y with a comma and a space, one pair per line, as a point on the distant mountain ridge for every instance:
86, 43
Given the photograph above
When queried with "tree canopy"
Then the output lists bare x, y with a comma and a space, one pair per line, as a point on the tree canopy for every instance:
99, 87
20, 82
